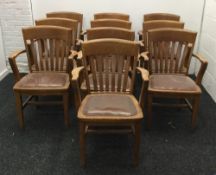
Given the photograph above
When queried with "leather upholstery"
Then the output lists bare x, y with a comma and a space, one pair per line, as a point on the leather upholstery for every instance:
172, 83
43, 81
110, 105
83, 85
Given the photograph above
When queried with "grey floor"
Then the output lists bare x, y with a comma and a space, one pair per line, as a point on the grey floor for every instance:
47, 147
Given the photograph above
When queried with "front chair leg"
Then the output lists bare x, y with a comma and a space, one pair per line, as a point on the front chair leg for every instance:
19, 109
195, 108
82, 143
137, 135
66, 110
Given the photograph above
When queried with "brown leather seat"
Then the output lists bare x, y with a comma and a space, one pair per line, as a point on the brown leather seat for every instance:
173, 83
109, 107
83, 85
43, 81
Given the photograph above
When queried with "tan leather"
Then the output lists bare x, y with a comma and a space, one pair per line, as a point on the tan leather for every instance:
172, 83
84, 87
109, 105
45, 80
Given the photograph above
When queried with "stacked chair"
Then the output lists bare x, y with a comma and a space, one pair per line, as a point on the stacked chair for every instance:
104, 75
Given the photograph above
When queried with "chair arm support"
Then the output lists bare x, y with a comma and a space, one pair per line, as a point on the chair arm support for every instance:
144, 56
143, 92
12, 60
204, 64
75, 84
144, 73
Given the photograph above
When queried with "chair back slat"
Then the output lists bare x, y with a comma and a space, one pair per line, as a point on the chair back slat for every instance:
169, 50
61, 22
161, 16
120, 16
110, 32
111, 62
110, 23
49, 46
157, 24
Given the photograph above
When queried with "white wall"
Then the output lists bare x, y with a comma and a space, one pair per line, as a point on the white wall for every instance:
208, 47
3, 68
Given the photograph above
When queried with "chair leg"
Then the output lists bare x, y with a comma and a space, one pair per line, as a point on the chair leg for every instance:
82, 143
66, 110
149, 115
19, 109
136, 148
196, 102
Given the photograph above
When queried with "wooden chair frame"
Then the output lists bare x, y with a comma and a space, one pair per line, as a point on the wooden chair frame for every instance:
101, 47
40, 62
107, 15
185, 40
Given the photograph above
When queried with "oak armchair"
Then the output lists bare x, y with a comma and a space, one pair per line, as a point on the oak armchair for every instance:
109, 106
170, 52
48, 50
159, 16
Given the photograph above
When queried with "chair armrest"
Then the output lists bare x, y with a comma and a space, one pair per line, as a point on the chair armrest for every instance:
12, 60
75, 73
140, 35
144, 73
204, 64
145, 78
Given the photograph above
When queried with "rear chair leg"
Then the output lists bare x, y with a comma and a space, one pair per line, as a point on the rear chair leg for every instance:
149, 116
19, 109
136, 148
196, 102
66, 110
82, 143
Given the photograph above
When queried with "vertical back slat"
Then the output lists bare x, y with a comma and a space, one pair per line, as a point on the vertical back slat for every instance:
126, 73
113, 73
99, 61
172, 55
161, 57
156, 56
93, 70
107, 69
34, 54
178, 57
40, 54
62, 53
166, 56
57, 55
51, 55
46, 54
120, 70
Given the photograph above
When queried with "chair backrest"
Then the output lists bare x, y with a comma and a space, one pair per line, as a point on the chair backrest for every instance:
69, 15
110, 32
161, 16
170, 50
159, 24
48, 48
120, 16
111, 62
110, 23
62, 22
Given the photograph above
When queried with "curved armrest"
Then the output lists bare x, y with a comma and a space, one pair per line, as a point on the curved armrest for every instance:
144, 56
204, 64
75, 74
144, 73
12, 60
